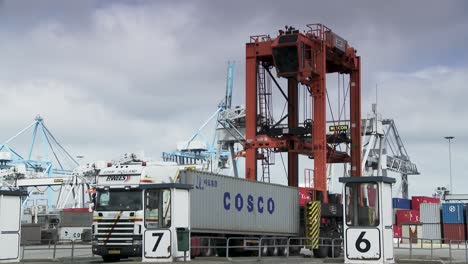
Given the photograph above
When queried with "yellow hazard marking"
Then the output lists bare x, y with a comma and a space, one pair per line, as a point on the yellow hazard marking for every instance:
312, 223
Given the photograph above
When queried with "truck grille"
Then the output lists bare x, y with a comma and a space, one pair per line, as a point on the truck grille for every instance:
111, 231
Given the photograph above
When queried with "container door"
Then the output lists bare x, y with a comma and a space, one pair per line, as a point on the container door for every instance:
10, 210
157, 220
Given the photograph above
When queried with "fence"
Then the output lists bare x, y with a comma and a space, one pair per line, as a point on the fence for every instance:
263, 246
455, 251
430, 249
56, 249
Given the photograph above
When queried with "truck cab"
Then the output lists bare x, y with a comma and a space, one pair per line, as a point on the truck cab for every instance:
118, 218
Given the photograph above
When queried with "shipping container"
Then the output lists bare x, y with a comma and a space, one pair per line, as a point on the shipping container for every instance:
430, 213
431, 232
30, 234
454, 233
453, 213
416, 201
233, 205
397, 231
407, 216
394, 216
304, 195
75, 218
400, 203
409, 233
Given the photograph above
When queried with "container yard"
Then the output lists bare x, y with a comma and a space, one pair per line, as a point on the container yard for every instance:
306, 133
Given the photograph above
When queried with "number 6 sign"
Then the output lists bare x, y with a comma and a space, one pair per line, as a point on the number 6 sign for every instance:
363, 244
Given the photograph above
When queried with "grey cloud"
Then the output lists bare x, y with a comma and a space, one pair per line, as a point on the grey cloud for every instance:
116, 76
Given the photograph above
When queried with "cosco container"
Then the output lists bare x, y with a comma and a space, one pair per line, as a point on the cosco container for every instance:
430, 213
400, 203
407, 216
416, 201
231, 205
452, 213
431, 232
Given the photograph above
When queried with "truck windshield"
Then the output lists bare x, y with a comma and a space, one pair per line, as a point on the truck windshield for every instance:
119, 200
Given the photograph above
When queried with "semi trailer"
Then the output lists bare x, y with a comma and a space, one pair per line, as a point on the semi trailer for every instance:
134, 197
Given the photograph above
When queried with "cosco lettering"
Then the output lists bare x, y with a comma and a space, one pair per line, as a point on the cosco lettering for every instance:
249, 204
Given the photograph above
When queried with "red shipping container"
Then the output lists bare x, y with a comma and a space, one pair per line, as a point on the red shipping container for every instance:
416, 201
397, 231
304, 195
454, 233
407, 216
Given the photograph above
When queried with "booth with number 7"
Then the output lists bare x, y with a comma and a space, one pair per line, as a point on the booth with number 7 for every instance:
367, 205
166, 213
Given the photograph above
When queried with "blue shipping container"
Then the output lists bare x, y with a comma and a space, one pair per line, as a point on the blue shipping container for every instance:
452, 213
400, 203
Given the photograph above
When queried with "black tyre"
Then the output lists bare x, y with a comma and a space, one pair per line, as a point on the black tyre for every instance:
321, 251
334, 251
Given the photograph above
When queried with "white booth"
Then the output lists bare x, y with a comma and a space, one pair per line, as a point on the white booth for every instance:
10, 225
166, 236
368, 230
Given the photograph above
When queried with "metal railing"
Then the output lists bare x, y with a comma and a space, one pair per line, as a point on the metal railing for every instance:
437, 248
263, 246
55, 249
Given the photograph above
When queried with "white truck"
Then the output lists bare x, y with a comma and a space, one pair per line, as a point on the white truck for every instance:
138, 202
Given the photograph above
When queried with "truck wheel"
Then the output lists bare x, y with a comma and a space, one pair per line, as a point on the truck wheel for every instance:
336, 251
110, 258
273, 250
321, 251
282, 248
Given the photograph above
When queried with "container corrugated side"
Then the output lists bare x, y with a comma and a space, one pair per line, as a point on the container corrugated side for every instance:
416, 201
430, 213
409, 233
431, 232
400, 203
407, 217
454, 233
232, 205
76, 219
453, 213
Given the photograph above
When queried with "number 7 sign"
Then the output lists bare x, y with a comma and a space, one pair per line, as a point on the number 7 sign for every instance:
157, 244
363, 243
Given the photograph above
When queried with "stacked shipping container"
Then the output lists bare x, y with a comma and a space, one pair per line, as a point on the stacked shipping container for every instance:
408, 222
453, 218
399, 204
416, 201
430, 219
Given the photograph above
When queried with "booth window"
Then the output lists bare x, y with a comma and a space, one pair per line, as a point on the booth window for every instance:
158, 208
362, 204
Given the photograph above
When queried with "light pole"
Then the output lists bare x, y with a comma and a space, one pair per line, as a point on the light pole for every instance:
450, 160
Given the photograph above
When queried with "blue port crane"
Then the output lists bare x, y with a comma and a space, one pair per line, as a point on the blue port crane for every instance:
200, 148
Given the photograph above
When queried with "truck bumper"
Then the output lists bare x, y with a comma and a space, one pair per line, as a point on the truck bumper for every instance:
121, 251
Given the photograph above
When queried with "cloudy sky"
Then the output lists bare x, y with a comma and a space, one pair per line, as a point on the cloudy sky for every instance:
119, 76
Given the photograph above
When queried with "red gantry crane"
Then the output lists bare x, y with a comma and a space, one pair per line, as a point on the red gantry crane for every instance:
302, 58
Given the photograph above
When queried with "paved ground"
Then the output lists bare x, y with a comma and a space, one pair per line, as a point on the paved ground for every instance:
82, 254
